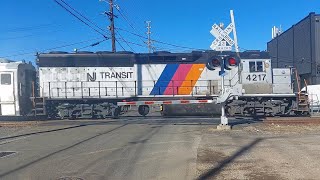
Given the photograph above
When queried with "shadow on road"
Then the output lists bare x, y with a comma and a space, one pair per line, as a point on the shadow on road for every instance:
149, 120
216, 170
52, 130
56, 152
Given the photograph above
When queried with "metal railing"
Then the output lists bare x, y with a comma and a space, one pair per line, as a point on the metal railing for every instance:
105, 89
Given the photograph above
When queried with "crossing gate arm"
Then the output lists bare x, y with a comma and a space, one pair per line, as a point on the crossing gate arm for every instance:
138, 103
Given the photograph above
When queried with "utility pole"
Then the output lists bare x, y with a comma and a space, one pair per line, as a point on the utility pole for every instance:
149, 42
111, 17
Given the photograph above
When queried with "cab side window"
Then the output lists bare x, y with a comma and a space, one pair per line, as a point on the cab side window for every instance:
256, 66
5, 79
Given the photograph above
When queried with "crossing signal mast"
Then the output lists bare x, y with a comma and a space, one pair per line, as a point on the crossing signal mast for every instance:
222, 43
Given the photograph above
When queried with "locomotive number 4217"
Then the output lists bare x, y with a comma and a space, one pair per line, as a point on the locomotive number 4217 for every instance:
256, 77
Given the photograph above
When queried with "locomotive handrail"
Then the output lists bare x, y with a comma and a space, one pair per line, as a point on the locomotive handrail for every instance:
112, 89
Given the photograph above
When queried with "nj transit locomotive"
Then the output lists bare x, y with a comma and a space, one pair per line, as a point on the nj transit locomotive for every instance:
85, 84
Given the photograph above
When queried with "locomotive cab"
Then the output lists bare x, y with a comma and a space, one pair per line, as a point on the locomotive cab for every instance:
258, 77
15, 87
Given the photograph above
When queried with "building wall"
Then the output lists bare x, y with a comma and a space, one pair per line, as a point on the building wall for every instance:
285, 47
273, 52
302, 46
299, 47
317, 49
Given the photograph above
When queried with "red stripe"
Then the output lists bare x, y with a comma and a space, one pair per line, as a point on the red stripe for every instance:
131, 103
177, 79
203, 101
149, 102
184, 101
167, 102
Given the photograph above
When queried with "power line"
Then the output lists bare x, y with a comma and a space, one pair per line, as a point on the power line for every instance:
82, 15
73, 14
49, 49
125, 41
127, 20
25, 36
91, 45
120, 44
28, 28
161, 42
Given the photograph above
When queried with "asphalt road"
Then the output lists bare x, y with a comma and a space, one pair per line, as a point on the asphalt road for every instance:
159, 148
130, 148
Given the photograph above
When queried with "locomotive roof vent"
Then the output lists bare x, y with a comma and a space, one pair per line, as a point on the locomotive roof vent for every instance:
104, 52
5, 60
124, 52
162, 52
84, 52
197, 52
58, 52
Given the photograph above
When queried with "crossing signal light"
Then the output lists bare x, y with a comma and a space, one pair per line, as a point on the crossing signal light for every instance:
224, 62
230, 62
214, 63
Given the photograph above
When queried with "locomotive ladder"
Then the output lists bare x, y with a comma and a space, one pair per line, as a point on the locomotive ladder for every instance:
302, 98
38, 103
38, 106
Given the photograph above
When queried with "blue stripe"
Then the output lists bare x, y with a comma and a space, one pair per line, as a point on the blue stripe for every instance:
164, 79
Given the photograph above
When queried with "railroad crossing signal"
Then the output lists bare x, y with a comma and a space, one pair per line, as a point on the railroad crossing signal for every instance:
223, 41
222, 38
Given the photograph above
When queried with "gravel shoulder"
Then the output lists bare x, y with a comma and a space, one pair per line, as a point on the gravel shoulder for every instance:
260, 151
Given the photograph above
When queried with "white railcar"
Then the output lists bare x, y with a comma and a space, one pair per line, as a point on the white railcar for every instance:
16, 80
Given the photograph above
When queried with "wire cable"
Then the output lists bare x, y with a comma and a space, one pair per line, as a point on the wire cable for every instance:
117, 32
49, 49
92, 45
161, 42
120, 45
87, 19
127, 20
73, 14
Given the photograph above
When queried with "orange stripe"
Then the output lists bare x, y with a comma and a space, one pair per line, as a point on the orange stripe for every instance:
191, 79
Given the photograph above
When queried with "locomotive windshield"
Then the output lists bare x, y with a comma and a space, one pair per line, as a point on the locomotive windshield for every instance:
5, 79
256, 66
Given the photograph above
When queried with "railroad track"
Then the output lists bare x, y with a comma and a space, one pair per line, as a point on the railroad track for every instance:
292, 120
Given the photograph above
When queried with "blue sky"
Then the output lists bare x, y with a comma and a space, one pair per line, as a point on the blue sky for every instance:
37, 25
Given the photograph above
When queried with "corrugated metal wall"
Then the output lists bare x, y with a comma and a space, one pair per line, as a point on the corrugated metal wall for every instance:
273, 50
285, 47
299, 46
317, 47
302, 46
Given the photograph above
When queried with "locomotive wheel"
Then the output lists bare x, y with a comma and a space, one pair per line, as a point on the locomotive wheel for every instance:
143, 110
230, 111
115, 112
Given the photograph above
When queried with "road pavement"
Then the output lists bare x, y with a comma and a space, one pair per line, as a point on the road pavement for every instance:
159, 148
130, 148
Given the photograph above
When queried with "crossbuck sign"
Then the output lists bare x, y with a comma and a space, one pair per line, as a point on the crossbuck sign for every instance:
223, 41
222, 38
